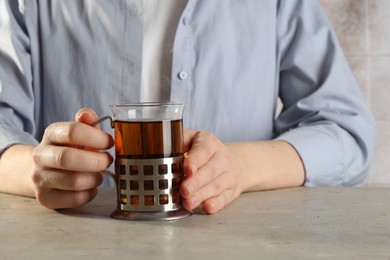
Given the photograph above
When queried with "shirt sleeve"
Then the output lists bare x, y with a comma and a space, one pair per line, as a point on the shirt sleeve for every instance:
16, 93
324, 115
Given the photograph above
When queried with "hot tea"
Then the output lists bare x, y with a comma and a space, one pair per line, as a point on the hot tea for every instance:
146, 140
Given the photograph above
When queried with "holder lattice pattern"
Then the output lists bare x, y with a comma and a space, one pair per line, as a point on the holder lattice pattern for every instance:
149, 184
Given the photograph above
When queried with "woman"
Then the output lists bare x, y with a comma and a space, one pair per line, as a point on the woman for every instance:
228, 61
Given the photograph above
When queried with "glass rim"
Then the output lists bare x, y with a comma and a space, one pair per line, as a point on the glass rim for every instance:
148, 104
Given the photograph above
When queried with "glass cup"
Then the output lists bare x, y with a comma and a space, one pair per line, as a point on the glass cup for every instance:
148, 160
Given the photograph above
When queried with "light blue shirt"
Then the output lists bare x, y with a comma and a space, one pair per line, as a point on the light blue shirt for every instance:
231, 61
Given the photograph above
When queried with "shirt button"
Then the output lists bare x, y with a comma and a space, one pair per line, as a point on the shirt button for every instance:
182, 75
185, 21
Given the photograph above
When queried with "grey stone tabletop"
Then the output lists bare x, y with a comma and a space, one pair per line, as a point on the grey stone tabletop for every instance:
299, 223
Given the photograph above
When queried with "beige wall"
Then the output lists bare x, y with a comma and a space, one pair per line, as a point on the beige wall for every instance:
363, 28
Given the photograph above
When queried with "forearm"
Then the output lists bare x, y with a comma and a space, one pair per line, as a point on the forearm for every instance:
268, 165
15, 170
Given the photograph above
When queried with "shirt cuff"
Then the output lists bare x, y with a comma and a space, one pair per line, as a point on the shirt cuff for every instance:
9, 137
330, 155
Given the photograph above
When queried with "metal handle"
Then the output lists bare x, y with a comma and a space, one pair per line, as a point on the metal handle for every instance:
100, 120
104, 119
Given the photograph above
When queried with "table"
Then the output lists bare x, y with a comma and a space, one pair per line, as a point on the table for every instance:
298, 223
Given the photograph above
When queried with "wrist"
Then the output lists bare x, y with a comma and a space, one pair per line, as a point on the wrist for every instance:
267, 165
16, 164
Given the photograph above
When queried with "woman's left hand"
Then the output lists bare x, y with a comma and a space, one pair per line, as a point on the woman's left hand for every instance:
212, 173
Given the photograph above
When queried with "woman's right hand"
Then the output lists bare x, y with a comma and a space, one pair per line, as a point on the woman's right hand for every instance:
64, 175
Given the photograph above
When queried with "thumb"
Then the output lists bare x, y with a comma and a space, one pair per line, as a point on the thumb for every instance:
86, 115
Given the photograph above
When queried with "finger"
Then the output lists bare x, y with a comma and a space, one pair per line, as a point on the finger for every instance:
60, 199
66, 180
71, 159
203, 147
76, 133
188, 137
86, 115
204, 175
215, 204
213, 189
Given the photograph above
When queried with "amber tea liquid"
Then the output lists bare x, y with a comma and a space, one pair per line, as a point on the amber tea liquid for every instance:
146, 140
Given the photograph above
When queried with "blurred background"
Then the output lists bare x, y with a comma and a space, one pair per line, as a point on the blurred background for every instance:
363, 29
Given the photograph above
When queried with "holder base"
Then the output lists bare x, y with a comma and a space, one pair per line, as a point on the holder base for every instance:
150, 215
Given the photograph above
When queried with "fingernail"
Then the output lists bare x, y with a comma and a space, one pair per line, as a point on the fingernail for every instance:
111, 159
193, 169
190, 188
78, 115
194, 200
211, 207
